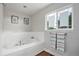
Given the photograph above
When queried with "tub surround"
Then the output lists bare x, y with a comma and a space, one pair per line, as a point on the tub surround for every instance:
20, 26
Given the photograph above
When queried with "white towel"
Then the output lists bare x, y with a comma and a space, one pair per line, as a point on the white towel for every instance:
53, 43
60, 36
60, 45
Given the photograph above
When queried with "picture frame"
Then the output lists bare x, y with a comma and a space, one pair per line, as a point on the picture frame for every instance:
26, 21
14, 19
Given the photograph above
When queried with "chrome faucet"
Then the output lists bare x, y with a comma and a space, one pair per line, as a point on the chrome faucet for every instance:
20, 42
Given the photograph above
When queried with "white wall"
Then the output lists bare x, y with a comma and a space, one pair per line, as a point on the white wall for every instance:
20, 27
38, 20
72, 41
1, 22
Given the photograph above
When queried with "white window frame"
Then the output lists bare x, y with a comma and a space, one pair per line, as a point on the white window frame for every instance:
57, 11
47, 19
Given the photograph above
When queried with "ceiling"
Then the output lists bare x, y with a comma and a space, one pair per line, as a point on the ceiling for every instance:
30, 8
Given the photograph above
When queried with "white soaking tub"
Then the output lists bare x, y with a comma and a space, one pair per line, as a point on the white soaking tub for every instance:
23, 43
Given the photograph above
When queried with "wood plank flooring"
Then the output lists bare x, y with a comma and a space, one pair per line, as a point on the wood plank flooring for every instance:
44, 53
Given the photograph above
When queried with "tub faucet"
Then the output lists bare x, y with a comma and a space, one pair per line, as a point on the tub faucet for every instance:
20, 42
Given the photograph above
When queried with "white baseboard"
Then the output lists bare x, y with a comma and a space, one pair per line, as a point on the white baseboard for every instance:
52, 52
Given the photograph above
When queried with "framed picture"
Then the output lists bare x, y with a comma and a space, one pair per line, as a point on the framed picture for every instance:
26, 21
14, 19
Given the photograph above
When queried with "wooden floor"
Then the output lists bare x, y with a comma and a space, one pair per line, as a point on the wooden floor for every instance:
44, 53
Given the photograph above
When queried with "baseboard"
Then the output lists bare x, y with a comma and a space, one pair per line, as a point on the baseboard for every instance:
52, 52
38, 52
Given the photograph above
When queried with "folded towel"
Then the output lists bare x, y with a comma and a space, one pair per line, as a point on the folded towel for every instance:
53, 43
60, 45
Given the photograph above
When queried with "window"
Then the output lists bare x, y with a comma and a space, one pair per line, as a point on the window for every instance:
51, 21
59, 20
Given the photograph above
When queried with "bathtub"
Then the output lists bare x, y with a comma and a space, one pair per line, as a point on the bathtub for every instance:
19, 48
26, 43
